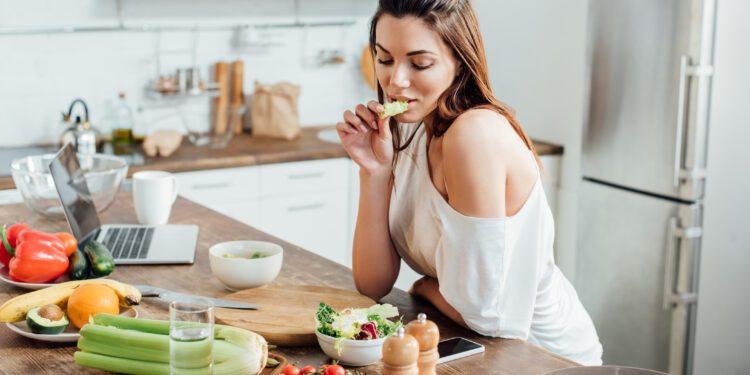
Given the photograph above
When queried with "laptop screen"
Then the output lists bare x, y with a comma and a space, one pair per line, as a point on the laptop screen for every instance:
76, 200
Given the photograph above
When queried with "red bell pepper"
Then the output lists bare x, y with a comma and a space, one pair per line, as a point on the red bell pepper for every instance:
39, 257
9, 238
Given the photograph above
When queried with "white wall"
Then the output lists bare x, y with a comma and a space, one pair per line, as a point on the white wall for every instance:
536, 52
723, 328
41, 74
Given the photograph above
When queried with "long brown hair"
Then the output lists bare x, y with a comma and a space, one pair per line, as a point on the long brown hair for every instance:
456, 23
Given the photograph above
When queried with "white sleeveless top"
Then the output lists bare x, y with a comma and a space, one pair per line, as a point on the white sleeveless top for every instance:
498, 273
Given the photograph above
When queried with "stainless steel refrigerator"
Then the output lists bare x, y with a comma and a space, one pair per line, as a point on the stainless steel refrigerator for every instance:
643, 164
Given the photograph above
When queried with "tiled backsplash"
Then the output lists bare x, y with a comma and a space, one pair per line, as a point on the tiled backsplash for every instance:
40, 74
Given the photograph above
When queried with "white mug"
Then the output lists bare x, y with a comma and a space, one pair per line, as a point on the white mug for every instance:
154, 192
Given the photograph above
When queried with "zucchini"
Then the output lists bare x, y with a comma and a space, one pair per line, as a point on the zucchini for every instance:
101, 260
79, 266
46, 320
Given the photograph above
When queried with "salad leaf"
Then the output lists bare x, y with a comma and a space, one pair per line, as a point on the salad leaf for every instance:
394, 108
325, 316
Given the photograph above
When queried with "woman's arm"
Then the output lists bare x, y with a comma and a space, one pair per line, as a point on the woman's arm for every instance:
375, 262
368, 141
429, 289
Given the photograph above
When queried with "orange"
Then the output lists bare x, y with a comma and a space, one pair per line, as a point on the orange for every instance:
89, 300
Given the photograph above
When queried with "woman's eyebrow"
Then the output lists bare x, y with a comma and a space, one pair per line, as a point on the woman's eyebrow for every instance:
381, 47
412, 53
421, 51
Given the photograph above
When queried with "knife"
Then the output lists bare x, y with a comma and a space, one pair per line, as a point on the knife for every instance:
169, 296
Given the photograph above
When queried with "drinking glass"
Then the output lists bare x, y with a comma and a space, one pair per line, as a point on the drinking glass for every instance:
191, 336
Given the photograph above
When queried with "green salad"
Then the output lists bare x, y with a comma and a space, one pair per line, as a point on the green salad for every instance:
357, 324
394, 108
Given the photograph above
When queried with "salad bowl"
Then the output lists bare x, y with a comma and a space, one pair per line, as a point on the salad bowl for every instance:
353, 352
355, 337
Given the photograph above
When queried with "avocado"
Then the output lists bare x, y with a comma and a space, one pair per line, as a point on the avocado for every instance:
46, 320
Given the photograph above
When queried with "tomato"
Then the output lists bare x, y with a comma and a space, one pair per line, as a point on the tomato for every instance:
307, 370
70, 242
335, 370
290, 370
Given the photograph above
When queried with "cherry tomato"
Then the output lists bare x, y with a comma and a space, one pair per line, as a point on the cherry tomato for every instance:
307, 370
70, 242
290, 370
335, 370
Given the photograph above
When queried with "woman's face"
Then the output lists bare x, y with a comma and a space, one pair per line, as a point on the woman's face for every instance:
412, 63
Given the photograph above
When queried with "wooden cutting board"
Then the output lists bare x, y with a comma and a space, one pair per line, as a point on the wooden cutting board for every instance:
287, 313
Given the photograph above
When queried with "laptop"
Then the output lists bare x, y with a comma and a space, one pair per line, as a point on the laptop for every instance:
129, 244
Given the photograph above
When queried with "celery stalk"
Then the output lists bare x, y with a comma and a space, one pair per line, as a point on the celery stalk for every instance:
120, 365
143, 346
137, 346
160, 327
126, 337
115, 349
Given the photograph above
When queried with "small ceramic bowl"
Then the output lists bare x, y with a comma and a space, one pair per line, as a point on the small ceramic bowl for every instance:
240, 271
353, 352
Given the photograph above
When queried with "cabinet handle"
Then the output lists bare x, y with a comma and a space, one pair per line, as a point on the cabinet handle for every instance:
217, 185
305, 207
299, 176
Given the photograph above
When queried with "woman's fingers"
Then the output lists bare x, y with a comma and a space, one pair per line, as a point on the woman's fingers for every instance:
375, 106
345, 128
367, 116
354, 121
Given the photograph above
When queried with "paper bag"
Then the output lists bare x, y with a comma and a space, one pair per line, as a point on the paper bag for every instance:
274, 111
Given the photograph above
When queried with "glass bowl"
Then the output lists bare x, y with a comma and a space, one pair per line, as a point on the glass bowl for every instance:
104, 175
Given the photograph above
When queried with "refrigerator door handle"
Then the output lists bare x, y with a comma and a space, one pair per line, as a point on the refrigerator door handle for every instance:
686, 70
674, 233
680, 120
669, 264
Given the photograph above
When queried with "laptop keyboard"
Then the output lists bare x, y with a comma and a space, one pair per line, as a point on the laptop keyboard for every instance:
129, 242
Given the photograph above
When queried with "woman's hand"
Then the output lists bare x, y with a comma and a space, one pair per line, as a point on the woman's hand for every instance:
367, 138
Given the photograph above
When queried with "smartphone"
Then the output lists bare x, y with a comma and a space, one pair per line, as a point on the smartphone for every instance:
457, 347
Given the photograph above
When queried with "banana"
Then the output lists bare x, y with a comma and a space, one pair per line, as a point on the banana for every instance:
14, 310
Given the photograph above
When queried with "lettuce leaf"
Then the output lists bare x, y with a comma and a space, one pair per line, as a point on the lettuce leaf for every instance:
394, 108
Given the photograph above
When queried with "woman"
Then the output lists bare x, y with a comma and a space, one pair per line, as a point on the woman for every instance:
453, 187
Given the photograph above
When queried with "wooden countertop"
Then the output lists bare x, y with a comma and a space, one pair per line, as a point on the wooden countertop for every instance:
26, 356
244, 150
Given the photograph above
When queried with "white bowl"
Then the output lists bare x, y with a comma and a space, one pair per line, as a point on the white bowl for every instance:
353, 352
243, 273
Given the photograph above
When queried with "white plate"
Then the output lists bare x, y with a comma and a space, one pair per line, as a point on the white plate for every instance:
69, 335
4, 276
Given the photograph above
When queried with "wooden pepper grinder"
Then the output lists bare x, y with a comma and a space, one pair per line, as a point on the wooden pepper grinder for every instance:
400, 354
427, 334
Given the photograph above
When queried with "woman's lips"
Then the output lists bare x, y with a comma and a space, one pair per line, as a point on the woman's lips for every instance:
409, 101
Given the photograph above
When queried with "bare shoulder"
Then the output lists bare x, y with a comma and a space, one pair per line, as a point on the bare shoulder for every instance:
475, 155
481, 133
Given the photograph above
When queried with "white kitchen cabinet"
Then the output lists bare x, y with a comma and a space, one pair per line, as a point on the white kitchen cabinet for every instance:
303, 176
314, 221
551, 179
10, 196
220, 185
304, 203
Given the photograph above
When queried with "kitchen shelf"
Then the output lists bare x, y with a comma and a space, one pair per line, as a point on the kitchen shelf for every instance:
150, 28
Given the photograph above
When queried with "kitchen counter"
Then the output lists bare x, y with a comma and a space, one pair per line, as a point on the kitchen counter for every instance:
26, 356
244, 150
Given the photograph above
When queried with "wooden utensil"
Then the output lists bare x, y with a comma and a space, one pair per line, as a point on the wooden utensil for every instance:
287, 312
275, 370
237, 96
221, 75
